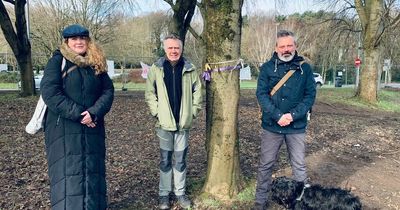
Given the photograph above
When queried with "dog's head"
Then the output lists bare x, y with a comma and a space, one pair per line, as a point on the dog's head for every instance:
285, 191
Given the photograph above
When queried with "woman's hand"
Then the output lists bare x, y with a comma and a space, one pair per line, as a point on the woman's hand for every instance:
87, 120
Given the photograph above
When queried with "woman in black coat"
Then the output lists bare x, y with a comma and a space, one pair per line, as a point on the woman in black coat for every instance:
78, 96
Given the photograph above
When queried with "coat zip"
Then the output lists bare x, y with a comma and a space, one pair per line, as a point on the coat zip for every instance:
174, 90
58, 119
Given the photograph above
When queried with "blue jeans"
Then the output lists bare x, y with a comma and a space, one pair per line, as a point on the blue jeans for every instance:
270, 145
173, 152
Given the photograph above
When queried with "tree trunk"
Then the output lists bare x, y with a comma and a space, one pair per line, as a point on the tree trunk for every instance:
369, 76
19, 43
25, 65
370, 14
183, 13
222, 35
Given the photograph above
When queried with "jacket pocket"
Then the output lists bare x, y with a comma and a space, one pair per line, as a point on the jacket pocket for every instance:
301, 123
267, 120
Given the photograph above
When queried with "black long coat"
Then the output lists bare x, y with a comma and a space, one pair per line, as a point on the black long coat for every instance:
75, 152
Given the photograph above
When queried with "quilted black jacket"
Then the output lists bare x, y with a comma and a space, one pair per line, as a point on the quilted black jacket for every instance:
75, 152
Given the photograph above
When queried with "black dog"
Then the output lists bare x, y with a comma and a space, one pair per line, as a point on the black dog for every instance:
296, 195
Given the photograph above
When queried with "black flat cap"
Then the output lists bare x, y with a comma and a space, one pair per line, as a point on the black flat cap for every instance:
75, 30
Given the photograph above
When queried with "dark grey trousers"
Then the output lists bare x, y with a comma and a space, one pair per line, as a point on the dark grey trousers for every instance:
173, 151
270, 145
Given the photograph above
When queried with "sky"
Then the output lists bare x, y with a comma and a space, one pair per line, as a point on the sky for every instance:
250, 6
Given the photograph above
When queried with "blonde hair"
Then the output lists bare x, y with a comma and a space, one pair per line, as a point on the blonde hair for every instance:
94, 56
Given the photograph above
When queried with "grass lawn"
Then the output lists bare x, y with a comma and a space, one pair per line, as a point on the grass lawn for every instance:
388, 100
8, 86
130, 86
248, 84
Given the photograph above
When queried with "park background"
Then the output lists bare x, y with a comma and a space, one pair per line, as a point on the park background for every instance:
352, 143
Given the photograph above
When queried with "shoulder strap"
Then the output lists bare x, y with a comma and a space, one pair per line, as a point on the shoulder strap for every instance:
64, 73
283, 80
63, 63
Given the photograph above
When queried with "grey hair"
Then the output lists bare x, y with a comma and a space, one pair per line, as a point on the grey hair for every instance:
285, 33
173, 37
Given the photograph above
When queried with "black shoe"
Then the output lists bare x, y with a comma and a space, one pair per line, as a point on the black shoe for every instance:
183, 201
163, 202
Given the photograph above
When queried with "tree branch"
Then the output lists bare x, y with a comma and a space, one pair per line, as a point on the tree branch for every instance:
196, 35
361, 13
396, 21
189, 15
10, 1
8, 29
170, 2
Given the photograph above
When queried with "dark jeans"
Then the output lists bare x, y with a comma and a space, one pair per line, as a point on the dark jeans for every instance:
270, 145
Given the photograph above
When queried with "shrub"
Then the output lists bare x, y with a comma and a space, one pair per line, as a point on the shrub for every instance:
136, 76
9, 77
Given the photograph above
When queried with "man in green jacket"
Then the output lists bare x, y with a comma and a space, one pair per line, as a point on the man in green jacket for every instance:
173, 94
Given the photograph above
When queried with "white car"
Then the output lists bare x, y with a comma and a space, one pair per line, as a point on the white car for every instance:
318, 80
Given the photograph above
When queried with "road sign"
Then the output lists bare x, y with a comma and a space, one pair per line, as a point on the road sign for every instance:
357, 62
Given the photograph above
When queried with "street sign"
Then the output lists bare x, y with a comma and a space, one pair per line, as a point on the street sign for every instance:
357, 62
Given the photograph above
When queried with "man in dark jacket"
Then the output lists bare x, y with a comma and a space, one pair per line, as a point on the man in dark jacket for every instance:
284, 115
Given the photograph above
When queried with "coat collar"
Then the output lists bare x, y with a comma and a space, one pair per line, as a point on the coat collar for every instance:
79, 60
187, 65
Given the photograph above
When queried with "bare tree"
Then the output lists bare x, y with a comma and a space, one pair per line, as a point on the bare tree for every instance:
45, 31
159, 23
17, 37
100, 17
138, 38
258, 38
375, 18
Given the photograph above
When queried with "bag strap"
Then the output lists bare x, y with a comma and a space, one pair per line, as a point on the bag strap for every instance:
64, 73
283, 80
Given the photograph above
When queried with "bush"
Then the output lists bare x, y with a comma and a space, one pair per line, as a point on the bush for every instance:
9, 77
130, 75
136, 76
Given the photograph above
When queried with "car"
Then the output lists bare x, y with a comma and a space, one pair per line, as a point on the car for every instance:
318, 80
38, 79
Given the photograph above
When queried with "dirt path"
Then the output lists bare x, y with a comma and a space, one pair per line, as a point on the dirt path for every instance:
347, 147
357, 150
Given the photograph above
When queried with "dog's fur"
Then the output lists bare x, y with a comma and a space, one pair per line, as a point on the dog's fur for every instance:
287, 192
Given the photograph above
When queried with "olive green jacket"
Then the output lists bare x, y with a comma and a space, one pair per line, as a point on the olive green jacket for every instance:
157, 97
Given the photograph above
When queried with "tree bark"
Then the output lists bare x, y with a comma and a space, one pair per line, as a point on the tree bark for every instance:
222, 37
369, 76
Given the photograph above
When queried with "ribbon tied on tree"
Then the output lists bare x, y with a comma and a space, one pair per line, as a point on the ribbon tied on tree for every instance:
238, 64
